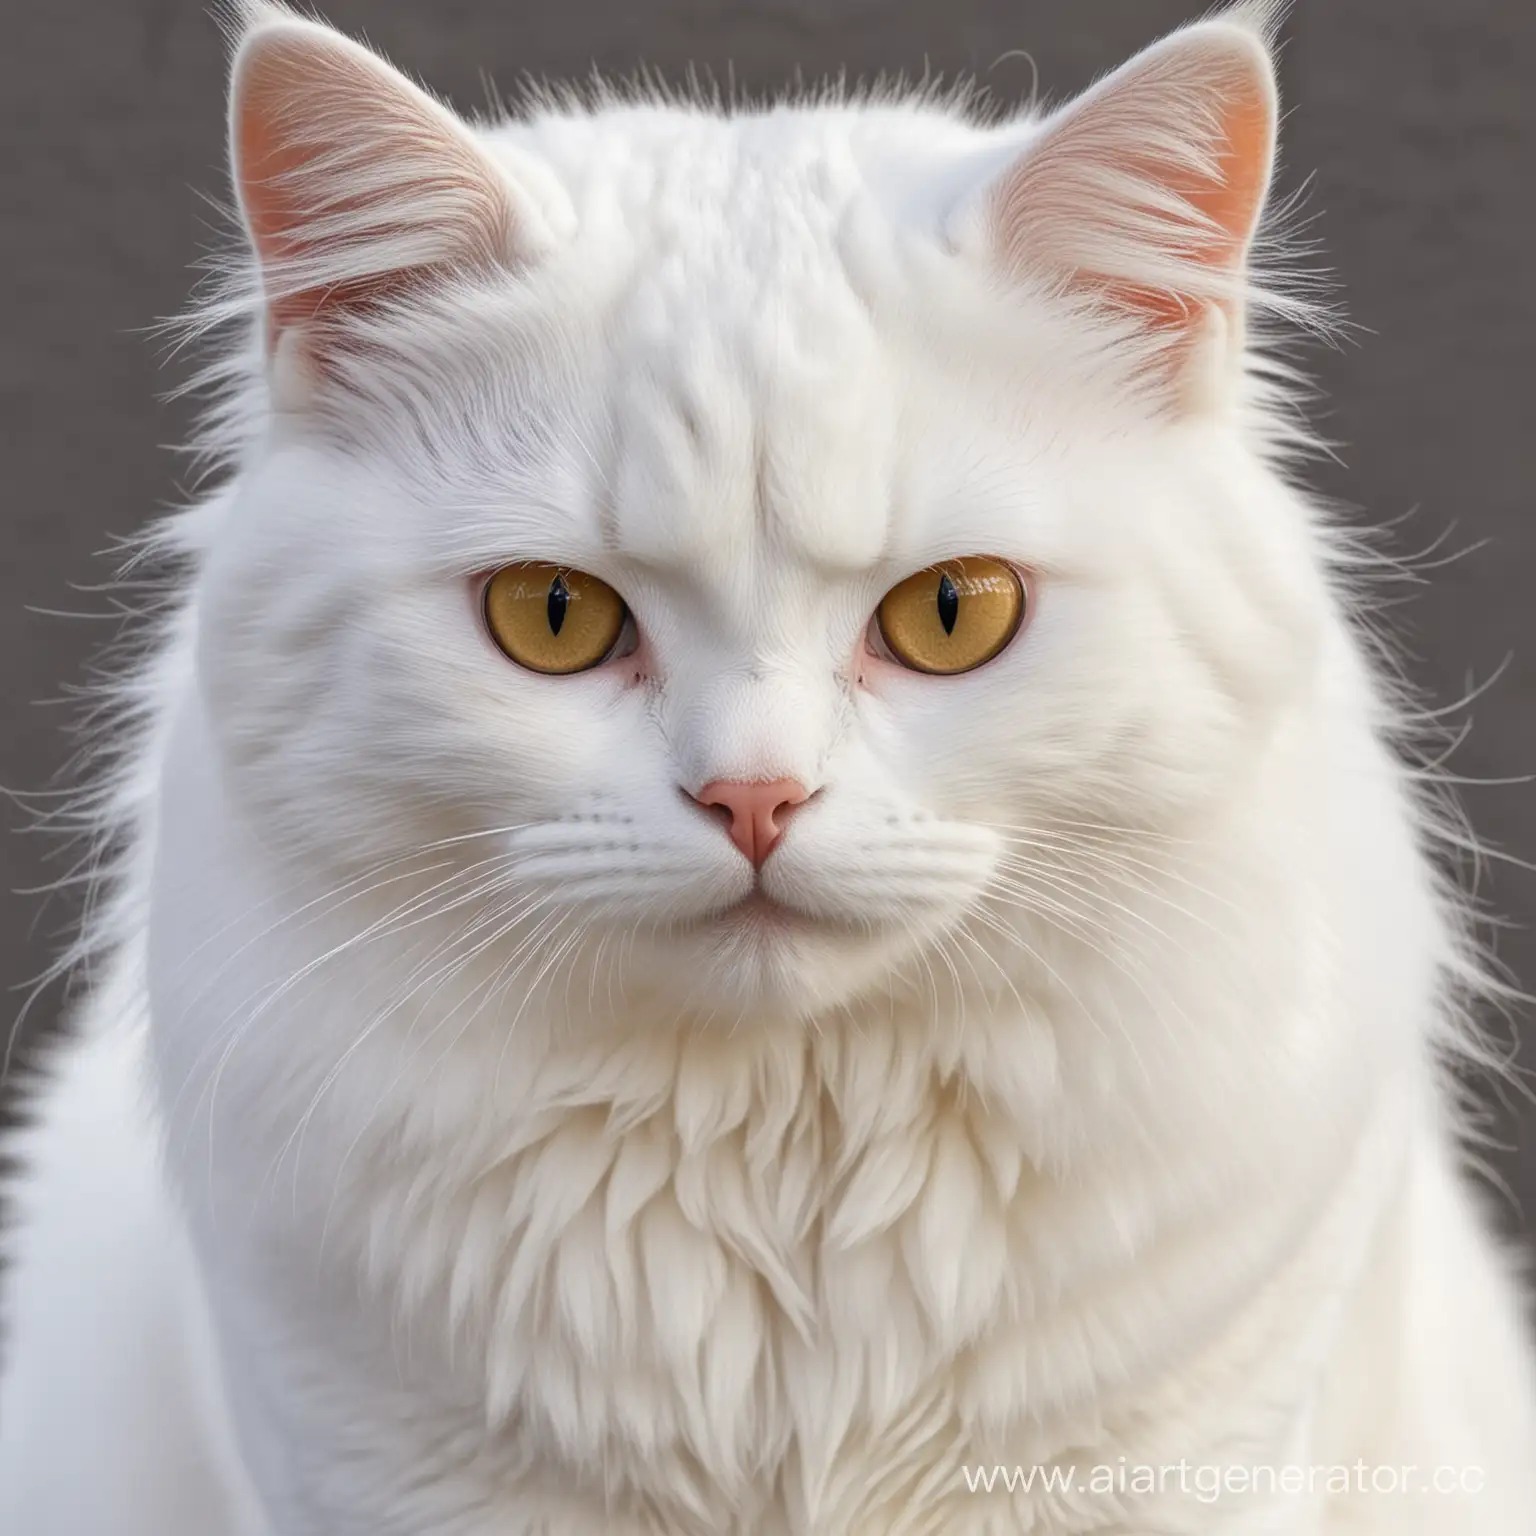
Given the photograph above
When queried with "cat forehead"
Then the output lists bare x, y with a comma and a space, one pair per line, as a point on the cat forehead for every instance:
753, 391
713, 392
749, 394
771, 426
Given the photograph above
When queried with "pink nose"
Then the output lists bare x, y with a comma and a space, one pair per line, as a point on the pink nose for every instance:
753, 807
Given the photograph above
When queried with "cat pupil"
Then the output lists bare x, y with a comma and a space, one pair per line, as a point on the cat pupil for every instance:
559, 596
949, 604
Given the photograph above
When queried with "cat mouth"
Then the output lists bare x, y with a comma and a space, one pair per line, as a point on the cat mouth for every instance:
760, 914
758, 910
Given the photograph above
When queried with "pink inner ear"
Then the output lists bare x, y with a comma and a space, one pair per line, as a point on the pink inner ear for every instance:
1147, 190
272, 158
355, 186
1230, 199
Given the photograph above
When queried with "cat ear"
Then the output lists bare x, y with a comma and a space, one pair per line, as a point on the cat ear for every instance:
355, 185
1144, 194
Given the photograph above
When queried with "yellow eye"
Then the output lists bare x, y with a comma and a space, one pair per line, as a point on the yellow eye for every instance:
953, 616
550, 618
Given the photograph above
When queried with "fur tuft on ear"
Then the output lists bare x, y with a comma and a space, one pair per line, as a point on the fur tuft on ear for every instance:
354, 184
1143, 195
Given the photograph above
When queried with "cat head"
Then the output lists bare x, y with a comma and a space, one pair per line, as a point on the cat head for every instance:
749, 541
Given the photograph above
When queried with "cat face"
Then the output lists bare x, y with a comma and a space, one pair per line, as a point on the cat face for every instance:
748, 378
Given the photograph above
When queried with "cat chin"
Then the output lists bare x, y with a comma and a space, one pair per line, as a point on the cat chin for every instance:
757, 960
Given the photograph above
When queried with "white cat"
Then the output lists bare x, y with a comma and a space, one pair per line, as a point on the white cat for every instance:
763, 886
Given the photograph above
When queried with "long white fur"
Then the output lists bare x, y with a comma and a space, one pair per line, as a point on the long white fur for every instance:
430, 1165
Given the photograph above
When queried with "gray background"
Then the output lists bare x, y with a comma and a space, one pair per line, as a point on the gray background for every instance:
1414, 115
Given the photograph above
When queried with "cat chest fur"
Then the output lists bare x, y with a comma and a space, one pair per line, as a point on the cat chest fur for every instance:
757, 1303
